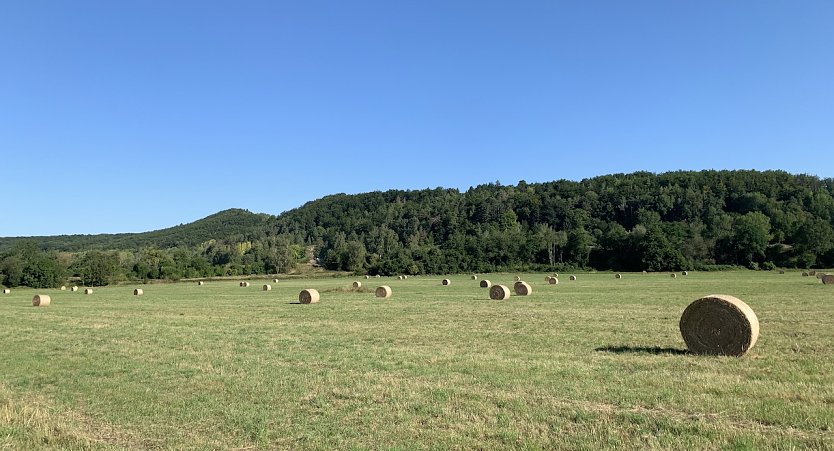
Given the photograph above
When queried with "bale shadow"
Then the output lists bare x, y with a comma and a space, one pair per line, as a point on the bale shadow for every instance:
656, 350
294, 303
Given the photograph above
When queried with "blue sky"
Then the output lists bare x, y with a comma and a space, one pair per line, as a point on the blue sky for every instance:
128, 116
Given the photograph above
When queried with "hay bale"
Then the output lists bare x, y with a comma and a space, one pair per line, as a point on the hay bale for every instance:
378, 276
267, 287
474, 277
828, 279
74, 289
522, 288
547, 278
405, 277
645, 272
804, 274
246, 284
367, 277
618, 276
486, 283
200, 283
556, 275
517, 279
446, 282
553, 280
400, 277
499, 292
572, 277
7, 291
673, 275
40, 300
63, 288
719, 324
88, 291
812, 272
383, 292
357, 284
685, 273
274, 280
781, 271
138, 292
240, 284
820, 275
309, 296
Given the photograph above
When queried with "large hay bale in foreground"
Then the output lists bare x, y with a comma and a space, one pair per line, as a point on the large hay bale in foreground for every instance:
499, 292
486, 283
719, 324
88, 291
309, 296
553, 280
618, 276
383, 292
828, 279
138, 292
446, 282
74, 289
572, 277
40, 300
267, 287
357, 284
522, 288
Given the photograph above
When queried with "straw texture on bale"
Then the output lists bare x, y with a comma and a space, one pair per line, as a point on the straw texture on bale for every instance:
63, 288
553, 280
267, 287
673, 275
828, 279
719, 324
685, 273
357, 284
499, 292
619, 276
517, 279
40, 300
138, 292
446, 282
74, 289
522, 288
572, 277
486, 283
308, 296
383, 292
88, 291
6, 291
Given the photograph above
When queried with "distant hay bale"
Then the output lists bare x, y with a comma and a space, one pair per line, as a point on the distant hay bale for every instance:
138, 292
74, 289
88, 291
719, 324
618, 276
547, 278
517, 278
267, 287
820, 275
63, 288
240, 284
828, 279
645, 272
7, 291
474, 277
553, 280
40, 300
383, 292
405, 277
499, 292
812, 272
486, 283
367, 277
446, 282
200, 282
556, 275
673, 275
572, 277
400, 277
378, 276
781, 271
246, 284
274, 280
308, 296
522, 288
804, 274
357, 284
685, 273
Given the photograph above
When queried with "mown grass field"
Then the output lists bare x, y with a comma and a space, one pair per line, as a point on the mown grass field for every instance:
594, 363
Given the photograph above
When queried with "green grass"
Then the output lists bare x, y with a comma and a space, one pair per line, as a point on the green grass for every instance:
594, 363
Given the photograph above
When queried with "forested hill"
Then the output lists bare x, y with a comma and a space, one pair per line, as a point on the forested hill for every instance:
232, 224
636, 221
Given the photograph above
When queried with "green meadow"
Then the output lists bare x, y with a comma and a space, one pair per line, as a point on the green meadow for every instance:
596, 363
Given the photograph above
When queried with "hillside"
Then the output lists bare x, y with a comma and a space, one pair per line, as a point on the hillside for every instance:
228, 224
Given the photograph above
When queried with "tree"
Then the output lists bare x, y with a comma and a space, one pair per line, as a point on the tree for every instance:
97, 268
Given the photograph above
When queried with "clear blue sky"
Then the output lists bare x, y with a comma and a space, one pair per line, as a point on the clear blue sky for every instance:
128, 116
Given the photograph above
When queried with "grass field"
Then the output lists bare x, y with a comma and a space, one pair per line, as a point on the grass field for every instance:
589, 364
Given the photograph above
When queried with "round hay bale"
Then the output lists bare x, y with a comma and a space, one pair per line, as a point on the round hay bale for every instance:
804, 274
572, 278
685, 273
781, 271
828, 279
645, 272
553, 280
378, 276
812, 272
474, 277
88, 291
499, 292
74, 289
522, 288
400, 277
274, 280
517, 279
673, 275
138, 292
7, 291
486, 283
200, 282
309, 296
383, 292
820, 275
40, 300
240, 284
547, 278
719, 324
405, 277
367, 277
446, 282
556, 275
267, 287
618, 276
63, 288
357, 284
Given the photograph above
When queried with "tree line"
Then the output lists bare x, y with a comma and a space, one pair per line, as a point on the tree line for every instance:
626, 222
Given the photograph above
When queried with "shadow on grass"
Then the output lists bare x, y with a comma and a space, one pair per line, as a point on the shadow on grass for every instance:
642, 350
